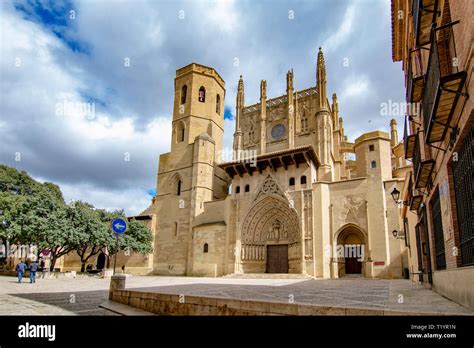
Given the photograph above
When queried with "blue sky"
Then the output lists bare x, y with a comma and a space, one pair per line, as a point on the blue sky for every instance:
122, 56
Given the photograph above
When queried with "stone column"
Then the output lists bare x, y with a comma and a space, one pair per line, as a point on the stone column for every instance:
290, 109
332, 271
117, 282
369, 263
263, 117
303, 233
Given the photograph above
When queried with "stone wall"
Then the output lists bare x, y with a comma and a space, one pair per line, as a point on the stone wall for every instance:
210, 262
180, 305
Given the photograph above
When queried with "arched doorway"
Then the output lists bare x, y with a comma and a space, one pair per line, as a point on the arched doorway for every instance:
100, 261
351, 251
271, 237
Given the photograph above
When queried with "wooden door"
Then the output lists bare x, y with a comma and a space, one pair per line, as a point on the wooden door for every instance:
353, 266
277, 258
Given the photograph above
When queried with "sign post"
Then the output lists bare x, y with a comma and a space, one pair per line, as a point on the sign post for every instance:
119, 226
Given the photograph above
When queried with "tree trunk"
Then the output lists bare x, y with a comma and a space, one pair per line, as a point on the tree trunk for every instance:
53, 262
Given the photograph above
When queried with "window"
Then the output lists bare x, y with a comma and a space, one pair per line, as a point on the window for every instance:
218, 104
206, 248
303, 180
304, 124
237, 190
184, 91
464, 192
292, 182
247, 188
373, 164
251, 134
175, 229
371, 148
180, 131
202, 94
438, 232
178, 187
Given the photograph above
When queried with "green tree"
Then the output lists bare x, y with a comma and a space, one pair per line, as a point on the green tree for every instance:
91, 226
137, 238
16, 190
50, 224
33, 213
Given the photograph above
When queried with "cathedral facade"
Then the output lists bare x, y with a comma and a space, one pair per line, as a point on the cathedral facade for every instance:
290, 201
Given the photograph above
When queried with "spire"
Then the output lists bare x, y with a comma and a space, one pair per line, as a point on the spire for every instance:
393, 132
321, 78
239, 107
335, 111
240, 92
289, 80
239, 102
263, 89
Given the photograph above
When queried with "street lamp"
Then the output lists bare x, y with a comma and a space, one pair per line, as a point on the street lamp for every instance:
396, 235
396, 197
395, 194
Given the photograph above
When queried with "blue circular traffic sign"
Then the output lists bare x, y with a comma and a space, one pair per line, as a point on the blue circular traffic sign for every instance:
119, 225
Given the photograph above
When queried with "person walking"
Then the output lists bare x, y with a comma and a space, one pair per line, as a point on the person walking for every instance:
33, 269
20, 270
41, 266
45, 267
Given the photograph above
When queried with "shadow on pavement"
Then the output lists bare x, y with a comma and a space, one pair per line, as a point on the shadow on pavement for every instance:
80, 302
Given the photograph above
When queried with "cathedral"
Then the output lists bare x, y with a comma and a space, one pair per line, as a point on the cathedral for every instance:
297, 197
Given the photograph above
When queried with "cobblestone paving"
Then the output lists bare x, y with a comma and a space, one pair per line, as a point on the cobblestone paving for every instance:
396, 295
53, 296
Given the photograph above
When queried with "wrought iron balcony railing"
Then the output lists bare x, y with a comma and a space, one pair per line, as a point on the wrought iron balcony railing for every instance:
414, 201
408, 141
443, 85
422, 168
424, 15
415, 79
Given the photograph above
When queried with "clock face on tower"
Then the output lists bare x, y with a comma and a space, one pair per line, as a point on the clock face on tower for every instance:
278, 131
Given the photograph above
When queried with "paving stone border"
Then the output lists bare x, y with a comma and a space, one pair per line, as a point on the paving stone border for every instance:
179, 305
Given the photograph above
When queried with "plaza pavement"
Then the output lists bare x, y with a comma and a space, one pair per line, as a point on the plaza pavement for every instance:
83, 295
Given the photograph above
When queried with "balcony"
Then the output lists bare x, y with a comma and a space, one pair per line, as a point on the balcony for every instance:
408, 142
415, 81
424, 15
413, 201
422, 168
443, 85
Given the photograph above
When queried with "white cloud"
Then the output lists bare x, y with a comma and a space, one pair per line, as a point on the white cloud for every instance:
132, 114
134, 200
31, 94
356, 87
222, 14
344, 31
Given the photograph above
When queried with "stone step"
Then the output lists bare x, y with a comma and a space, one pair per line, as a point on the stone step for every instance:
122, 309
269, 276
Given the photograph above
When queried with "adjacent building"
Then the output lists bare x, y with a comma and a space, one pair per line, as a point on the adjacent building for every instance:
433, 39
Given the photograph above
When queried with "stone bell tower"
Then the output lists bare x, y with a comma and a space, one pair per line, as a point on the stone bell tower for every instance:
186, 175
198, 106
